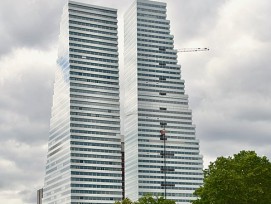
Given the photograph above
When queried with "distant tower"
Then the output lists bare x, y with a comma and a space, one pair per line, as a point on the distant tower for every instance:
160, 163
84, 150
39, 196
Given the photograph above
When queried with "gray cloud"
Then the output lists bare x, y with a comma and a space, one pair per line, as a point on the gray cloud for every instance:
26, 88
30, 23
23, 165
229, 87
28, 196
191, 19
230, 92
26, 79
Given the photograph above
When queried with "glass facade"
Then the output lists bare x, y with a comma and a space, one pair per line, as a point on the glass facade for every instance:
161, 150
84, 148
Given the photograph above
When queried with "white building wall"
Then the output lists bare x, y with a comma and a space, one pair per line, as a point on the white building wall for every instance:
131, 105
160, 103
84, 156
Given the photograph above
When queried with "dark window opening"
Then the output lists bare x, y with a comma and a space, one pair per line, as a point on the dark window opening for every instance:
167, 184
162, 64
162, 49
168, 168
162, 78
167, 154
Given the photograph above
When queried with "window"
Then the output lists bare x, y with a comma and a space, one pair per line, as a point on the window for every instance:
168, 168
162, 94
167, 154
162, 78
167, 184
162, 49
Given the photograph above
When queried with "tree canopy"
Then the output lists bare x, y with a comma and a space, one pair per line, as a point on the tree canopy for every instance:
244, 178
148, 199
125, 201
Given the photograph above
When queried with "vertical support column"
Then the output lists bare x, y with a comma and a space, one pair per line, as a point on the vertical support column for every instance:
163, 137
123, 168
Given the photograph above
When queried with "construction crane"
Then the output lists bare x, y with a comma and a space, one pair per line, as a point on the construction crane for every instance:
193, 49
163, 137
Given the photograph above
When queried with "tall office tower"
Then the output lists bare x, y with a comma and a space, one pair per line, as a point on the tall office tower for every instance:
84, 155
161, 150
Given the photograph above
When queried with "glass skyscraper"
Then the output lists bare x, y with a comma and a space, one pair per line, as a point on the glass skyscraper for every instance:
161, 150
84, 151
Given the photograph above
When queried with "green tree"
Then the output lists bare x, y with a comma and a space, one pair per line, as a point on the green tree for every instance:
148, 199
125, 201
244, 178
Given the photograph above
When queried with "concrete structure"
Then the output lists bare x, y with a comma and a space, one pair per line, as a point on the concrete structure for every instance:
84, 151
123, 167
39, 196
161, 150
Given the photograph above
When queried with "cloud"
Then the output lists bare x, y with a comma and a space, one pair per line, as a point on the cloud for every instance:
26, 80
9, 197
29, 24
230, 92
193, 19
17, 161
229, 86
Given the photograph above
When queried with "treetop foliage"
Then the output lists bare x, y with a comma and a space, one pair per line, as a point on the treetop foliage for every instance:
148, 199
244, 178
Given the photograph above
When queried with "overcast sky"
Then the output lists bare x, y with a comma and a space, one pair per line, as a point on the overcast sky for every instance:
229, 87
